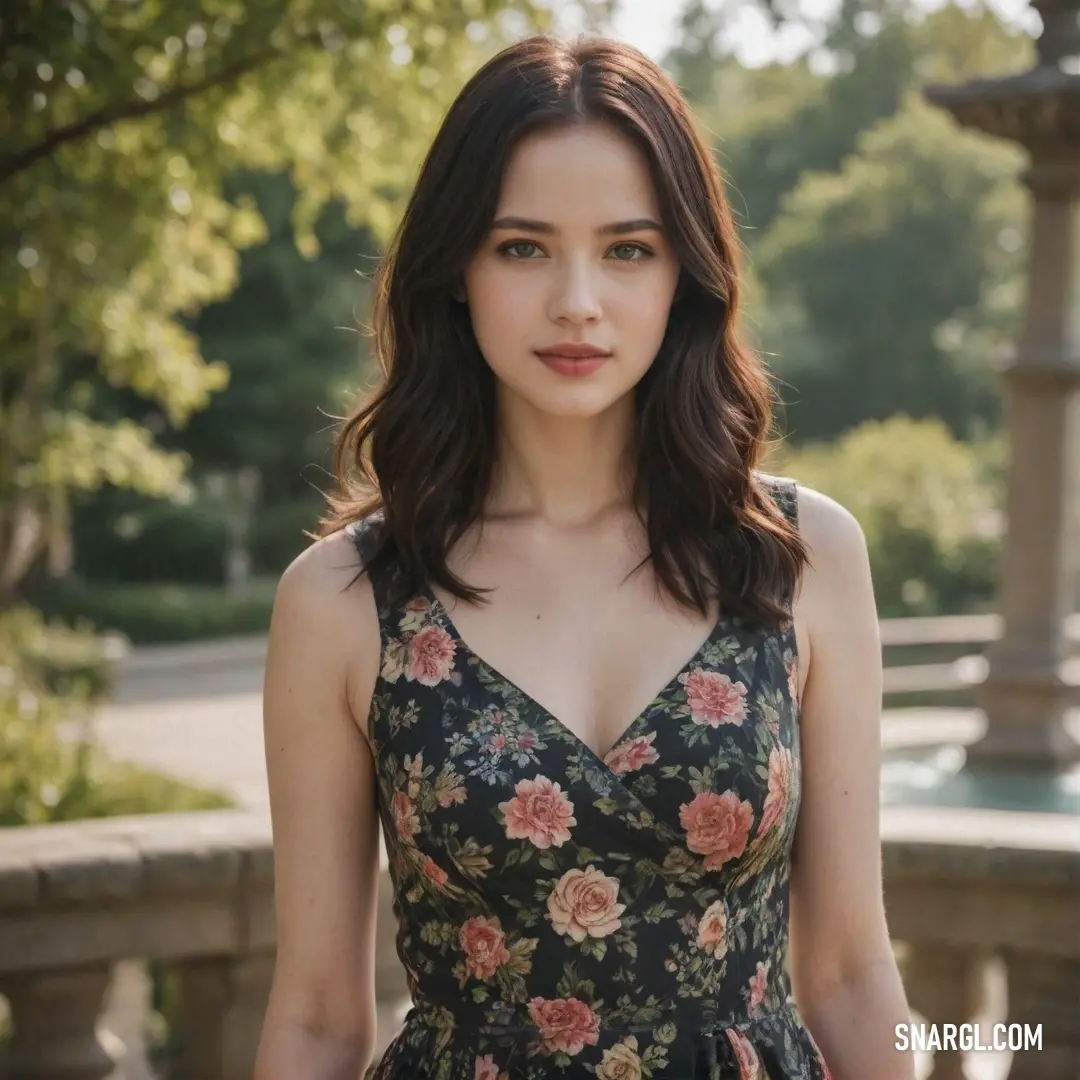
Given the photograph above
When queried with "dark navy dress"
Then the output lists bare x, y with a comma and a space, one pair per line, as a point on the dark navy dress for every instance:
563, 915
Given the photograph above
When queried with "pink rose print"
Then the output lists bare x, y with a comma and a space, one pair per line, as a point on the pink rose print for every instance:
750, 1067
716, 826
712, 930
486, 1069
781, 786
714, 699
793, 682
584, 904
757, 986
539, 812
630, 756
433, 872
431, 656
484, 944
565, 1024
405, 816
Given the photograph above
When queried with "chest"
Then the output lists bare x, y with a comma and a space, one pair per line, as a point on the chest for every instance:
585, 642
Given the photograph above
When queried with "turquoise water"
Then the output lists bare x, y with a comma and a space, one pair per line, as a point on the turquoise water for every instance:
937, 777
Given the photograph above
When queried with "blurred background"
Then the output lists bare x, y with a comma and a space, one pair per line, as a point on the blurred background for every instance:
193, 197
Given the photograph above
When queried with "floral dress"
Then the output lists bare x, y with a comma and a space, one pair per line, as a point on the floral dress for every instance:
562, 915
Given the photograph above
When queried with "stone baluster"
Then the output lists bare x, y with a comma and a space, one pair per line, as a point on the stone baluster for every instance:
53, 1020
944, 985
1044, 990
220, 1014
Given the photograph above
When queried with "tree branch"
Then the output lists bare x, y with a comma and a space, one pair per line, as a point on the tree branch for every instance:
13, 164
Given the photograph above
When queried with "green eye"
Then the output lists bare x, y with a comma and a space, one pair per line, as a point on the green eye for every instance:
507, 249
638, 248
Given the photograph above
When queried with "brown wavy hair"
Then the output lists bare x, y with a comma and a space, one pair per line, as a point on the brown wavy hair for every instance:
419, 452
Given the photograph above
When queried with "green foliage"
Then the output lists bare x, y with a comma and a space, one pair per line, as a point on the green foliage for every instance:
878, 256
150, 614
48, 771
120, 127
122, 537
290, 333
278, 535
887, 244
928, 504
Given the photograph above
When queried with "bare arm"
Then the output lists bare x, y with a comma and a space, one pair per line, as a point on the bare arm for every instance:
320, 1021
844, 975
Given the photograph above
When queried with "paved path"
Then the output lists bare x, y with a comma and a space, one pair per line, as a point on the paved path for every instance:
195, 713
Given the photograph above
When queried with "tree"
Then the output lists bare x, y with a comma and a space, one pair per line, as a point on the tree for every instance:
886, 242
874, 259
290, 335
120, 124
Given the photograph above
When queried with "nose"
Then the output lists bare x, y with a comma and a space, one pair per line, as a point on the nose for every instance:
575, 297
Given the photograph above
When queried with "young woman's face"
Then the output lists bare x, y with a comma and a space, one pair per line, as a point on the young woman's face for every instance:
575, 254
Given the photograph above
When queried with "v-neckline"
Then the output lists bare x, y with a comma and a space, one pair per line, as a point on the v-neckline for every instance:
461, 644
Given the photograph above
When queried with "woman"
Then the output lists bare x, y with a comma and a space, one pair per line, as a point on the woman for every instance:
560, 505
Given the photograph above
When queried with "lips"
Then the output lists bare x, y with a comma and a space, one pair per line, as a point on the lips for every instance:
574, 350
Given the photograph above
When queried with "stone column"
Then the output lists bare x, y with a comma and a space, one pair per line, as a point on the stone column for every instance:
1025, 696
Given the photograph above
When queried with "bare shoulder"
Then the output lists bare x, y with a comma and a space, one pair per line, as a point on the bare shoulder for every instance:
321, 572
830, 530
837, 581
325, 607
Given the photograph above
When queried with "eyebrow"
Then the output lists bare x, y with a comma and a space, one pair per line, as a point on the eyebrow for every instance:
615, 228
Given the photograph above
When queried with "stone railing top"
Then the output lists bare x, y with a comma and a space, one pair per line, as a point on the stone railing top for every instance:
168, 856
961, 842
132, 858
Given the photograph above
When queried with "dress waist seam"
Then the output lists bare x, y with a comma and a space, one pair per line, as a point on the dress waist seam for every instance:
704, 1019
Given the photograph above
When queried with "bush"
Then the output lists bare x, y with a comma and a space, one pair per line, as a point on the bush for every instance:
277, 535
63, 659
928, 504
151, 614
45, 777
121, 536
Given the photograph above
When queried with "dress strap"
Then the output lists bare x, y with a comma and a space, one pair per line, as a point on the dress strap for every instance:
786, 495
364, 535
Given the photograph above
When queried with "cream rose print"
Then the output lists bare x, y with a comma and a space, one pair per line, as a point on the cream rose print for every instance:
621, 1061
539, 812
712, 933
584, 903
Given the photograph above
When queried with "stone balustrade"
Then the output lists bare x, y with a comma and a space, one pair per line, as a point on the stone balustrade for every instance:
194, 893
966, 888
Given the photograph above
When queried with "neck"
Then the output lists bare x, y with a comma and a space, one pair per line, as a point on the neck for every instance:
562, 469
